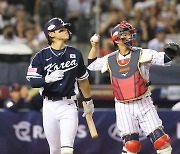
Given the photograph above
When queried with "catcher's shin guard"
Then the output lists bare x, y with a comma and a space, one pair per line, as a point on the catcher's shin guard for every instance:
66, 150
131, 143
162, 142
160, 139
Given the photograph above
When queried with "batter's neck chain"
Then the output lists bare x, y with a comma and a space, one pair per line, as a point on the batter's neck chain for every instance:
59, 53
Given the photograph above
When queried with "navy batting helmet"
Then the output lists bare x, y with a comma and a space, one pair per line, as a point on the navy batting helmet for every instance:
54, 24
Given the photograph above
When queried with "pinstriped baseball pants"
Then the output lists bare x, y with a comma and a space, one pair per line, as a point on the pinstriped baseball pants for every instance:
135, 115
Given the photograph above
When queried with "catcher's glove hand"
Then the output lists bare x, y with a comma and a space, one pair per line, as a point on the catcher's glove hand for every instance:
172, 50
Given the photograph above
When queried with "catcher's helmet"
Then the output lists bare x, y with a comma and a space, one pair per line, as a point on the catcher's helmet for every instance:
54, 24
121, 28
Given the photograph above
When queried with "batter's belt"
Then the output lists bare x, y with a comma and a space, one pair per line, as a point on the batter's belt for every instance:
58, 98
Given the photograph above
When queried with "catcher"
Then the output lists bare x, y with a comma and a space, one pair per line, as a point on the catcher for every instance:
129, 72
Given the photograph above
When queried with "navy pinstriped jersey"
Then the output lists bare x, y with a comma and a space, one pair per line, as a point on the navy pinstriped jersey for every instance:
69, 59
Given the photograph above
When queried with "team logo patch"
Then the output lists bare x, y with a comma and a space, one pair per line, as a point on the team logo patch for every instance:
51, 27
124, 74
48, 59
124, 69
32, 70
72, 56
115, 33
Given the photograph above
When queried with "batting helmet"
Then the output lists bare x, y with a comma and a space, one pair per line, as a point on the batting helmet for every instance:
121, 28
54, 24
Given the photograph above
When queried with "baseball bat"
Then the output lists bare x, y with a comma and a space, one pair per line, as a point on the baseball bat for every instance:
90, 123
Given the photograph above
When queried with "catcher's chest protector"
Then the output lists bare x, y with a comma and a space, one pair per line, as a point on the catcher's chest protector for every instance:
127, 82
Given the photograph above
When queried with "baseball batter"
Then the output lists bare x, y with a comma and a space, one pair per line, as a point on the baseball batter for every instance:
129, 73
59, 70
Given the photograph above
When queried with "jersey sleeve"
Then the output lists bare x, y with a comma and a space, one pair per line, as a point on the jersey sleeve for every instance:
98, 64
157, 58
82, 70
35, 69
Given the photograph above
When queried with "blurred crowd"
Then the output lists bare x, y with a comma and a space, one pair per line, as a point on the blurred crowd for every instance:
153, 20
22, 21
22, 97
21, 28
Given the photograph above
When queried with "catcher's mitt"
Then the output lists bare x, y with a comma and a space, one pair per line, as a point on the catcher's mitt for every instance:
172, 50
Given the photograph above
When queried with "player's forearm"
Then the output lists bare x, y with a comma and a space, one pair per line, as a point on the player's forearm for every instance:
91, 60
85, 88
93, 53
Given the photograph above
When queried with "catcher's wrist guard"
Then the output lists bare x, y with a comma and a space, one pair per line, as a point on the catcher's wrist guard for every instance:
172, 50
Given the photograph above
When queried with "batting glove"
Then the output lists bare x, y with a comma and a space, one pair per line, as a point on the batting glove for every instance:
57, 75
89, 109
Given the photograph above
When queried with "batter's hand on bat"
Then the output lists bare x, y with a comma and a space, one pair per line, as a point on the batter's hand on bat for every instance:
57, 75
89, 108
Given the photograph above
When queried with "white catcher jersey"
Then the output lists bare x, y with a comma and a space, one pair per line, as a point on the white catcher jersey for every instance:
140, 114
155, 58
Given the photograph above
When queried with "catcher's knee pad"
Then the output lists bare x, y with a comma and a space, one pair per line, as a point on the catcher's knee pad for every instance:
131, 143
160, 139
133, 146
66, 150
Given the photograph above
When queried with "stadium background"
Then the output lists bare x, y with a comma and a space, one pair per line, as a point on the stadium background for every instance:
25, 19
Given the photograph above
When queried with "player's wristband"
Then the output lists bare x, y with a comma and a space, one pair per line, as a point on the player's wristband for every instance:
91, 60
37, 82
87, 99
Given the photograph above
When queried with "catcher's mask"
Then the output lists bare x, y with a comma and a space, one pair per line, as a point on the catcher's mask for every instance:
55, 24
121, 28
